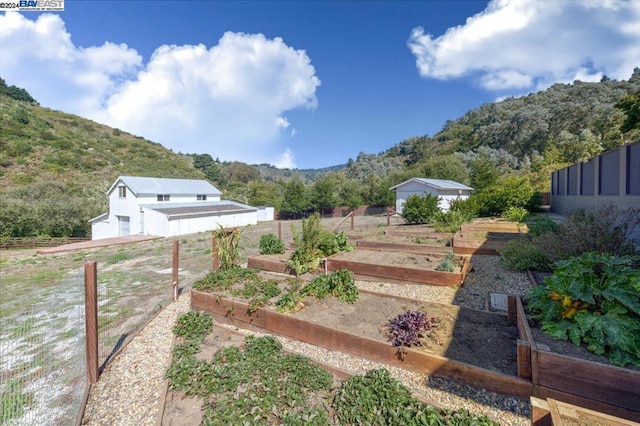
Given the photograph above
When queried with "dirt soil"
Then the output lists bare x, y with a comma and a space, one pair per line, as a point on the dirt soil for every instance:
474, 337
392, 258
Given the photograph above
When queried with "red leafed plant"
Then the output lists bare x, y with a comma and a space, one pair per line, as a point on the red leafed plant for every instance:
406, 329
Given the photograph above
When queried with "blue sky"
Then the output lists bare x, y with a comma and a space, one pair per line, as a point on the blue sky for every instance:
306, 84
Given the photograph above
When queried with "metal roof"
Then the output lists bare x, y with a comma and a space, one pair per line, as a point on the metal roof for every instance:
153, 186
200, 209
436, 183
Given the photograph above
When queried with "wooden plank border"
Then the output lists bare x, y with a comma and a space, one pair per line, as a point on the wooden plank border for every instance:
610, 389
400, 273
402, 247
374, 350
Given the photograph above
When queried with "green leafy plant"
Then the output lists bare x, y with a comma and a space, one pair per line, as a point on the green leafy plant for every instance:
593, 299
314, 242
517, 214
542, 225
379, 399
291, 299
270, 244
224, 279
339, 284
193, 325
419, 209
448, 264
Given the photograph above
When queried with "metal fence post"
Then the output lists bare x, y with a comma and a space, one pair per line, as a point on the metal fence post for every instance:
174, 271
91, 317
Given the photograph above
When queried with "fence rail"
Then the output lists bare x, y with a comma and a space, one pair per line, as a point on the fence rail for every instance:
36, 242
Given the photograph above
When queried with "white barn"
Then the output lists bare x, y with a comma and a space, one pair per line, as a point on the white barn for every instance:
168, 207
445, 190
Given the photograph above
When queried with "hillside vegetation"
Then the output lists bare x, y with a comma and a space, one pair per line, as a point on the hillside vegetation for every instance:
55, 168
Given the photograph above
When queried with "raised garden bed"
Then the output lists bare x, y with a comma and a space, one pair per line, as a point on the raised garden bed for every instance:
398, 266
572, 374
356, 329
405, 244
271, 263
480, 242
423, 231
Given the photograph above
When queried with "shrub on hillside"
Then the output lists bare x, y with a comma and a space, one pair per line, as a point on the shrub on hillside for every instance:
605, 229
420, 209
508, 193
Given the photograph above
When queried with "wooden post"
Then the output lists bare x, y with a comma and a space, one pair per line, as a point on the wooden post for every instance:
353, 213
512, 313
280, 230
215, 264
174, 270
91, 319
388, 217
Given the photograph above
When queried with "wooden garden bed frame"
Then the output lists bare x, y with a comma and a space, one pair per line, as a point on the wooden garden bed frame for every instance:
401, 273
601, 387
236, 313
403, 247
464, 245
551, 412
374, 271
270, 265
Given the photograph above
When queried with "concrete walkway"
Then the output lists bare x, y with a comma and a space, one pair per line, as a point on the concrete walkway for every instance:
97, 243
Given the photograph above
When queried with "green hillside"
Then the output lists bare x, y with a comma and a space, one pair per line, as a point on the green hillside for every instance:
55, 167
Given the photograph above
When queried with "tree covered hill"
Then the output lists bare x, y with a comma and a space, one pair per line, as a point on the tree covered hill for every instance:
565, 123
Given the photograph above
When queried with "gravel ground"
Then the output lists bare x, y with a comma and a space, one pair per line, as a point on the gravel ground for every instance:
129, 392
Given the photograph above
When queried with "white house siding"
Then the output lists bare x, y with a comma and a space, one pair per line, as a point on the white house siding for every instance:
174, 199
414, 188
191, 225
265, 214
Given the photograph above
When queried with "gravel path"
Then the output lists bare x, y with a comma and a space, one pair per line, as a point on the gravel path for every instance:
129, 391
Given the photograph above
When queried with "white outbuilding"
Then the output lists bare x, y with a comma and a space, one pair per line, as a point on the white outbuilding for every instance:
168, 207
445, 190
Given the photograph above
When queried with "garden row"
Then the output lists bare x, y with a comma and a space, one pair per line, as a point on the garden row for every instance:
536, 371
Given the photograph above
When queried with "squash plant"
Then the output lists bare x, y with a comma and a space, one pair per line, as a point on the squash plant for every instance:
594, 299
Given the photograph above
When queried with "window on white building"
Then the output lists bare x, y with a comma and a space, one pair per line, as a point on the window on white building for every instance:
164, 197
122, 191
202, 197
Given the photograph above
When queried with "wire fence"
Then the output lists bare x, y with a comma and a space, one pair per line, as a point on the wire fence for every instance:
132, 288
42, 372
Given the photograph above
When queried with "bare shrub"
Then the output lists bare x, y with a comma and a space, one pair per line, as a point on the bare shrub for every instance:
604, 229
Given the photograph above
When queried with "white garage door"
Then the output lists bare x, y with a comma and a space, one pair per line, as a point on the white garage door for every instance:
123, 225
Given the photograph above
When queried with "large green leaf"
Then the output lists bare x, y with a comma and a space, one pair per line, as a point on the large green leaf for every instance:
603, 333
562, 330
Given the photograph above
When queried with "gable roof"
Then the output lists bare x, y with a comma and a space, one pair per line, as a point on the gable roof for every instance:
435, 183
153, 186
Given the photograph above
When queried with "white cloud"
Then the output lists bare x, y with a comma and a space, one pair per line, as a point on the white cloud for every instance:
517, 44
228, 100
286, 161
